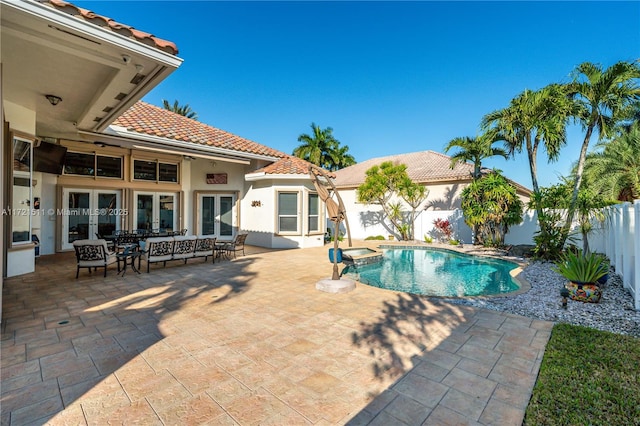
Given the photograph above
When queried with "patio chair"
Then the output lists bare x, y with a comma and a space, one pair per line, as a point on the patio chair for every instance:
111, 246
236, 245
93, 254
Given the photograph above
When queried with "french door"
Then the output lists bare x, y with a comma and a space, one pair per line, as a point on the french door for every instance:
88, 212
216, 215
155, 211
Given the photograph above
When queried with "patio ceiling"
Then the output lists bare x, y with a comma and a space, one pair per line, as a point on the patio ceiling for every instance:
97, 72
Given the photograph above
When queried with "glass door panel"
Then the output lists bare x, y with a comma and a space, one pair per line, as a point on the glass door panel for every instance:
107, 220
208, 218
166, 206
226, 216
144, 204
78, 216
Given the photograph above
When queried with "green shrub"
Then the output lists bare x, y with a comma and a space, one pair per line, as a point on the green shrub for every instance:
375, 237
454, 242
428, 239
582, 268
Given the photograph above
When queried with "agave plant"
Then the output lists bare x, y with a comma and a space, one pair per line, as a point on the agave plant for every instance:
582, 268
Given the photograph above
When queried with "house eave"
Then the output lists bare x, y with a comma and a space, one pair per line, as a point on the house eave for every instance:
118, 134
269, 176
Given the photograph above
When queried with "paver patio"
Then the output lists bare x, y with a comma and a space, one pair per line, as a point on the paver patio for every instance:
251, 341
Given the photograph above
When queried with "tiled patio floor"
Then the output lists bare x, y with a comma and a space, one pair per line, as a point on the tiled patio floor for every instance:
251, 341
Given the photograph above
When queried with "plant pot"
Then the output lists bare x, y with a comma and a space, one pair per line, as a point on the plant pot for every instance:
603, 279
584, 292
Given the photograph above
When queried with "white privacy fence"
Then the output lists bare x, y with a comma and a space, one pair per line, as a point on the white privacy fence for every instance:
621, 243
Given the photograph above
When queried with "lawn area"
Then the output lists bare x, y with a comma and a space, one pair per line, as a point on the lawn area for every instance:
587, 377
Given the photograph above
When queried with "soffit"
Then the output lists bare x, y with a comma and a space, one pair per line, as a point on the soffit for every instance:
46, 51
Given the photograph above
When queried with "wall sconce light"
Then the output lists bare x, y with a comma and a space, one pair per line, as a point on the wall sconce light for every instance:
257, 203
53, 99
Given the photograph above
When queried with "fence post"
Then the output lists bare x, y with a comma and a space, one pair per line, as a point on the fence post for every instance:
636, 254
617, 232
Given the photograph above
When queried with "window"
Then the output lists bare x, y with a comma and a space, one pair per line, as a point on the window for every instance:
21, 192
155, 171
287, 212
77, 163
89, 164
145, 170
109, 166
314, 213
168, 172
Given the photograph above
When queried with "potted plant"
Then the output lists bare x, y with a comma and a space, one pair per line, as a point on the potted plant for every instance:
582, 271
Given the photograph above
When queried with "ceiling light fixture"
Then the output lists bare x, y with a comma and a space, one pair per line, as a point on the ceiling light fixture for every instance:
53, 99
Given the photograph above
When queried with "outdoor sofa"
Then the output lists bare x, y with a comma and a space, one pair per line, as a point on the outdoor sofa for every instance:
164, 249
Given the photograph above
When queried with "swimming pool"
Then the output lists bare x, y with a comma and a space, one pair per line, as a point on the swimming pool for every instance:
434, 272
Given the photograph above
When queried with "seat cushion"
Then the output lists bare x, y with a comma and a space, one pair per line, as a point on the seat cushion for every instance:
159, 249
184, 246
204, 246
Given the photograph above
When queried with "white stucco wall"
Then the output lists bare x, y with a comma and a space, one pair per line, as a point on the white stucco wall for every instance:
20, 118
260, 220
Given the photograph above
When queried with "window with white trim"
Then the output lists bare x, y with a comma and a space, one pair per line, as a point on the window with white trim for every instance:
313, 220
288, 213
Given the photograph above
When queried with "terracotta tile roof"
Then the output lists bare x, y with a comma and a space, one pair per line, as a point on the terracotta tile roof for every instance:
289, 165
110, 24
151, 120
422, 167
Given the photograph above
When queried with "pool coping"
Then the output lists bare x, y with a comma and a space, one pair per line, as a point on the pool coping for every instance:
516, 273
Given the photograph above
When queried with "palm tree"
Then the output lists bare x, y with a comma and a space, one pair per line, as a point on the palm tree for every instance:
184, 110
322, 149
614, 172
603, 97
532, 118
475, 150
341, 158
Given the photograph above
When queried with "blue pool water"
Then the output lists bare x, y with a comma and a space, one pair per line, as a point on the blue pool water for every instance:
434, 272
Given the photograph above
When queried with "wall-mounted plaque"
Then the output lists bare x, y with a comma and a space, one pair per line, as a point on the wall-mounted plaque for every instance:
216, 178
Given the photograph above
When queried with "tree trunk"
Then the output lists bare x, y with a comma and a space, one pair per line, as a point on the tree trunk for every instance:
576, 187
532, 152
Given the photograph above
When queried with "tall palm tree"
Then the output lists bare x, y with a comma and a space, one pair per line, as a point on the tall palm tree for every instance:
614, 172
184, 110
323, 149
603, 98
475, 150
531, 119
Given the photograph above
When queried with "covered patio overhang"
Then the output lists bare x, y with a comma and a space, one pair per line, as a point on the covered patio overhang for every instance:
95, 72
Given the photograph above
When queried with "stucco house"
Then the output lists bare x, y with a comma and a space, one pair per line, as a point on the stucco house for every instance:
429, 168
83, 156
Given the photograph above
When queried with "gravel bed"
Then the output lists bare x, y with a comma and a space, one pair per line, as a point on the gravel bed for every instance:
614, 313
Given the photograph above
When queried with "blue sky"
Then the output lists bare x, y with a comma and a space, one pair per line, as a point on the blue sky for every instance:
388, 77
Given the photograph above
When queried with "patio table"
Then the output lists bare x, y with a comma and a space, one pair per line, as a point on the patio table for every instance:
129, 256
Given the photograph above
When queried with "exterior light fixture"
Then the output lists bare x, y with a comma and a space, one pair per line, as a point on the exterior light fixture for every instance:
564, 292
53, 99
